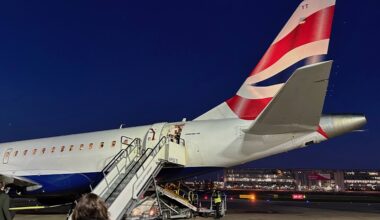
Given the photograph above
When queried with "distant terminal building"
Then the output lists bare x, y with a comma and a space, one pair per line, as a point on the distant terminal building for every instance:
362, 180
301, 180
259, 179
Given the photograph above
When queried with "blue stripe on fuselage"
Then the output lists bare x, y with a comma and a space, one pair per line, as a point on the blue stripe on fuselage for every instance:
63, 183
80, 182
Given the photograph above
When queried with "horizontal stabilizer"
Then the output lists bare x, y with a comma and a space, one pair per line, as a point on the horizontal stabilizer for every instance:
297, 107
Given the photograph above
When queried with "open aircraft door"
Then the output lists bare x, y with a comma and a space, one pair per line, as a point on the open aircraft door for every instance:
153, 135
7, 154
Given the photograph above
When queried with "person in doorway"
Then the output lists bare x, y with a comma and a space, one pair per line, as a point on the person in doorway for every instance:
177, 137
90, 207
4, 204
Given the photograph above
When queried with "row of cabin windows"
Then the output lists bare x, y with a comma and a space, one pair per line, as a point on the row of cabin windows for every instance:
62, 148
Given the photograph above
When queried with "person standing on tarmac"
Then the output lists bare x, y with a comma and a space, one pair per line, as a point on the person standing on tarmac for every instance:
4, 204
217, 202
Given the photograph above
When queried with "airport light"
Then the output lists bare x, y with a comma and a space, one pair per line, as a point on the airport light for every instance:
251, 197
298, 196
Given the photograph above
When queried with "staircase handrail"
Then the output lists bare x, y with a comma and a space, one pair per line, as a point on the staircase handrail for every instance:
120, 153
147, 153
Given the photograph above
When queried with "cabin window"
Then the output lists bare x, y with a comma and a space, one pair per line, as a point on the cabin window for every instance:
25, 152
113, 144
43, 150
52, 149
90, 146
81, 147
71, 147
62, 148
34, 151
101, 144
16, 152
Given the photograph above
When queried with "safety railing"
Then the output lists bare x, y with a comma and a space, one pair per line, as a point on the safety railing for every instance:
182, 142
131, 146
153, 154
141, 161
179, 141
114, 162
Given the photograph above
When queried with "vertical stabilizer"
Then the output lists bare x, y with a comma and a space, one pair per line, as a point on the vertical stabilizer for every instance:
302, 41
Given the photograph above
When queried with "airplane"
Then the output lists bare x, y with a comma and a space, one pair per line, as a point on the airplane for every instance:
278, 108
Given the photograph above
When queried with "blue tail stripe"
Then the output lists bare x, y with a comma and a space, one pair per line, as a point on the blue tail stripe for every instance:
284, 75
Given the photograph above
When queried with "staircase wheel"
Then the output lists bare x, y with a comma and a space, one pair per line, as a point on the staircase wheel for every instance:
189, 214
165, 215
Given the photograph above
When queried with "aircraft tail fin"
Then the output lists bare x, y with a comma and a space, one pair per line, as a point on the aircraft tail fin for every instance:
302, 41
298, 105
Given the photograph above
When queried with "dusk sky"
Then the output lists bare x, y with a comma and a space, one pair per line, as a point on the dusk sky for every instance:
78, 66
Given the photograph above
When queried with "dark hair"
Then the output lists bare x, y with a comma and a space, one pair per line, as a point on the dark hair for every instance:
90, 207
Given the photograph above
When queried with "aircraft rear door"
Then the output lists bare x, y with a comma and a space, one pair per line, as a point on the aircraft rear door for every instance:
153, 135
7, 154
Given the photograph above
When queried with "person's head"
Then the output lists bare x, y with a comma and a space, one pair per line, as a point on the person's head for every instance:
90, 206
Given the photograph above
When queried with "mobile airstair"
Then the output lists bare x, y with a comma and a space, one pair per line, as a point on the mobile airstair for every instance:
128, 175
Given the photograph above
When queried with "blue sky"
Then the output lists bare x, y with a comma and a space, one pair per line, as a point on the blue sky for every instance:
77, 66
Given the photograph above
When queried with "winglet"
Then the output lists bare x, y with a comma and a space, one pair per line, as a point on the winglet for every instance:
297, 107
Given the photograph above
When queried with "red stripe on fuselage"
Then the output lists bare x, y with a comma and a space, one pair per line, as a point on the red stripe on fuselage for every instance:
247, 109
322, 132
316, 27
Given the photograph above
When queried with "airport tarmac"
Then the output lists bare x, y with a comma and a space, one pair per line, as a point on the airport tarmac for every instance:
263, 210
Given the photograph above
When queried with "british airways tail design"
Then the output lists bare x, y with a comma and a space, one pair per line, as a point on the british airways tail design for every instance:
278, 108
303, 40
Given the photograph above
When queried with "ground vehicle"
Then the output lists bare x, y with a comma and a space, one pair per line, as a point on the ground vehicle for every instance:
168, 204
149, 208
146, 209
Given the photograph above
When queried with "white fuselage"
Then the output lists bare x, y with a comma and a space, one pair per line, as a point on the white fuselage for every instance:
213, 143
